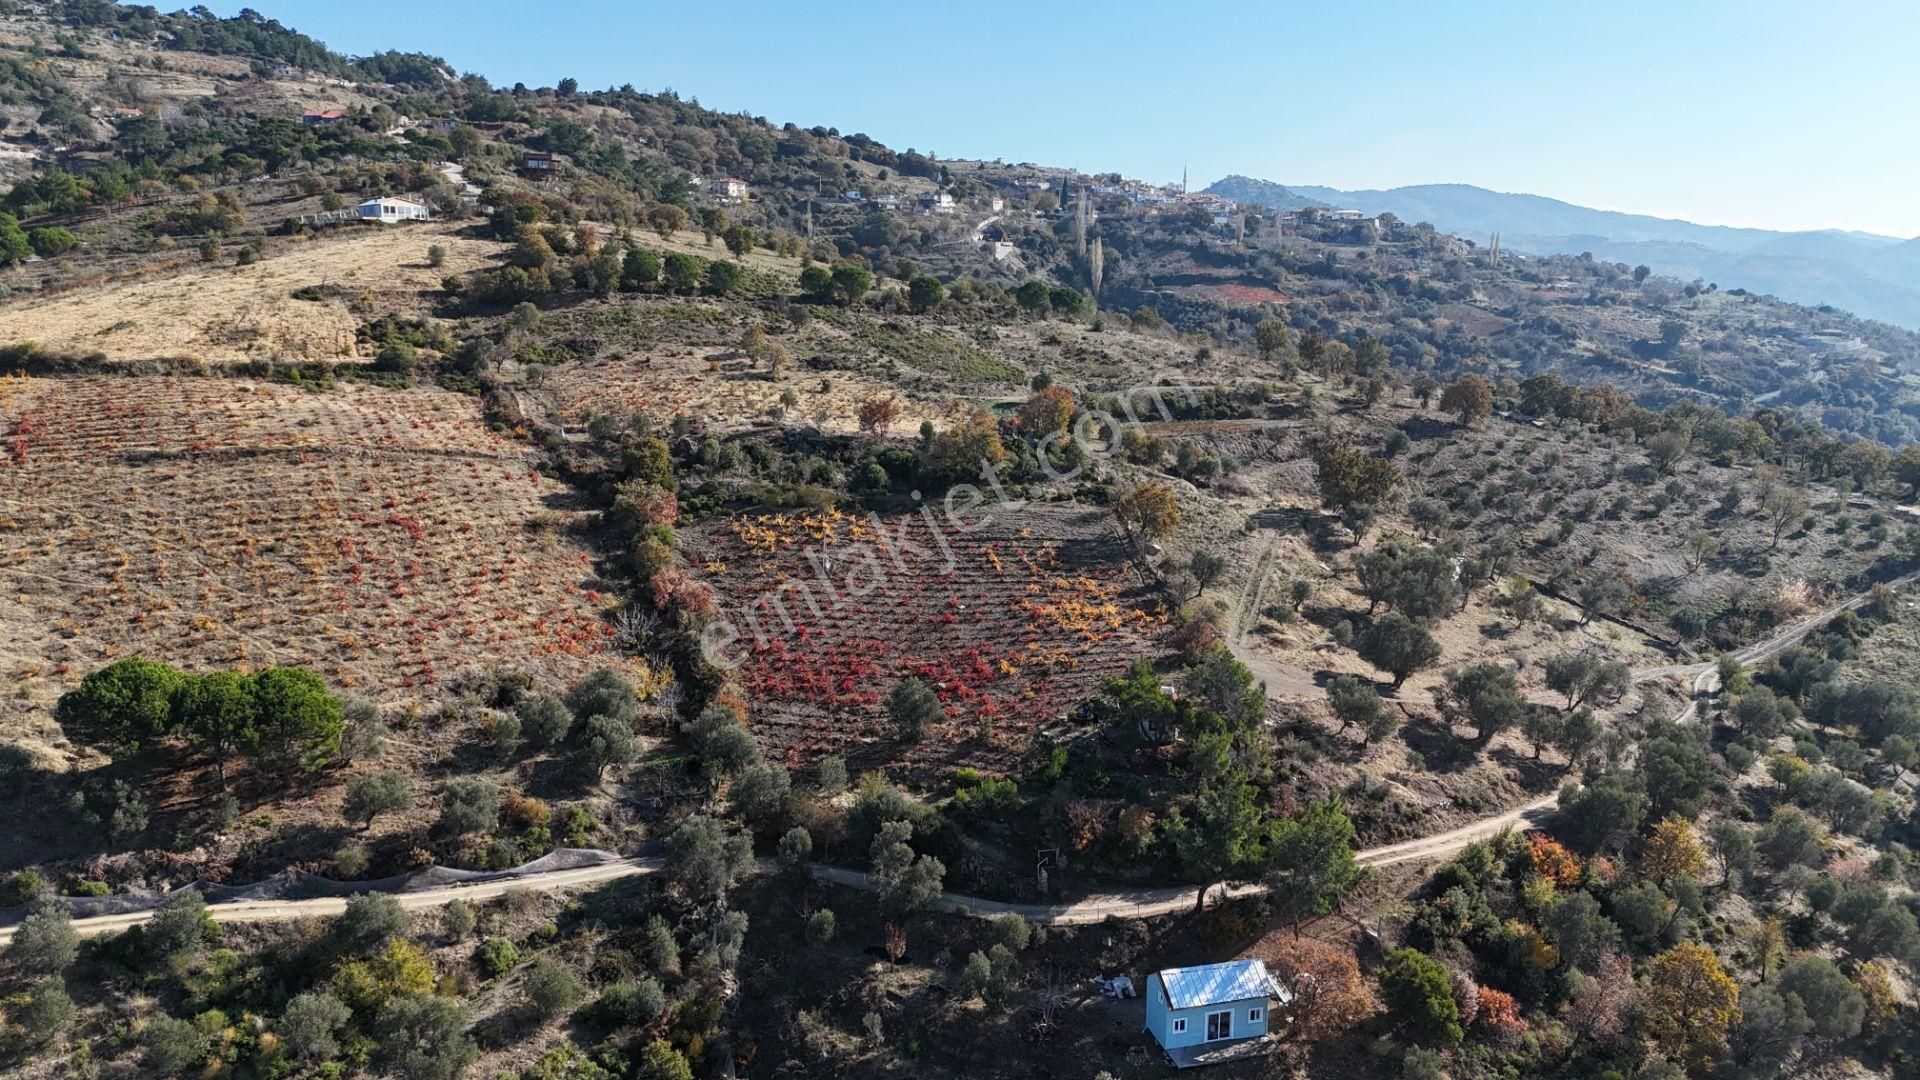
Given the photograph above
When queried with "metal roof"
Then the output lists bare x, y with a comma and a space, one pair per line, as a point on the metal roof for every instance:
1217, 984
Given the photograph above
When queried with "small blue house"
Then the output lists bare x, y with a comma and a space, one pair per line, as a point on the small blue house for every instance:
1212, 1013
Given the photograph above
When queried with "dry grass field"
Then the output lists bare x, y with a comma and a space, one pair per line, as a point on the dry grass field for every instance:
721, 391
228, 314
385, 538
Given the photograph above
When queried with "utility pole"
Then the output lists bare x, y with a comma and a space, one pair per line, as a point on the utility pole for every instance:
809, 224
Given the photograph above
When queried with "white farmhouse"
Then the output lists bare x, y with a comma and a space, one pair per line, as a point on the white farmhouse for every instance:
388, 209
1212, 1013
730, 190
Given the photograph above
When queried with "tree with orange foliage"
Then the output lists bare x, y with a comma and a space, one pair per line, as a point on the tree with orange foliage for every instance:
1329, 994
1471, 399
878, 414
674, 592
1499, 1013
971, 445
1673, 852
638, 504
1148, 510
1047, 412
1552, 861
1691, 1004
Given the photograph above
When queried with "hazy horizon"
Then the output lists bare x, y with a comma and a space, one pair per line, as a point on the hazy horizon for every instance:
1740, 114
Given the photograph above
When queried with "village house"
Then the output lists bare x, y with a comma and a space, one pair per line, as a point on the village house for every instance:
729, 189
1212, 1013
938, 202
389, 209
996, 204
322, 117
536, 163
851, 195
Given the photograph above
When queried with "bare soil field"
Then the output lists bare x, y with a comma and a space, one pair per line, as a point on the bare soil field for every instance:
716, 388
236, 313
385, 538
1012, 623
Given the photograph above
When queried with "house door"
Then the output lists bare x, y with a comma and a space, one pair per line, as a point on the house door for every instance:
1220, 1025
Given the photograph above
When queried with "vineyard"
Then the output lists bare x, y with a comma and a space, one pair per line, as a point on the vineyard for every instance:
385, 538
1014, 624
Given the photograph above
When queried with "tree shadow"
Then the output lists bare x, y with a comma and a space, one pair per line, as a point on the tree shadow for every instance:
1283, 518
303, 842
1437, 745
1534, 773
554, 778
1423, 428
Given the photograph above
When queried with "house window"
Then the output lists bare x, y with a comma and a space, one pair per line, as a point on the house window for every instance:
1253, 1016
1179, 1026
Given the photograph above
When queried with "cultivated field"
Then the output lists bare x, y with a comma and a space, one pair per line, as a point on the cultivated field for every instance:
385, 538
720, 391
235, 313
1013, 624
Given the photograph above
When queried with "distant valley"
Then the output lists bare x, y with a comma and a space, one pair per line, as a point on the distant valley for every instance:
1874, 276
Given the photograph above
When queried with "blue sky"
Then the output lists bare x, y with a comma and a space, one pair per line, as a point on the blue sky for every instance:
1758, 113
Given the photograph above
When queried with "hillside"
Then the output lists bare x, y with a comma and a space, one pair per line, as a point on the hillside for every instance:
1873, 276
809, 528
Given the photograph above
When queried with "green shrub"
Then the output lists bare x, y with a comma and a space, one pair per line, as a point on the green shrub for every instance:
551, 988
51, 241
495, 957
21, 888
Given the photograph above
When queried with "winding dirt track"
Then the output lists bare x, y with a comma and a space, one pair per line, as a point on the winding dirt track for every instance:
1126, 904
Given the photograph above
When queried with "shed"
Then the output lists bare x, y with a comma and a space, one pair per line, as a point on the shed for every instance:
388, 209
1212, 1013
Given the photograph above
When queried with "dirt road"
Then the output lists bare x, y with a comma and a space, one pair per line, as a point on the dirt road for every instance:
249, 911
1132, 904
1769, 647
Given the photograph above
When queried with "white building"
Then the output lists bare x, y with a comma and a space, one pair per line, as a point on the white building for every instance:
1212, 1013
389, 209
730, 190
937, 203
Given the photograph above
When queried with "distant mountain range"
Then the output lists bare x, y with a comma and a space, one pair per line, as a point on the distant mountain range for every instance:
1874, 276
